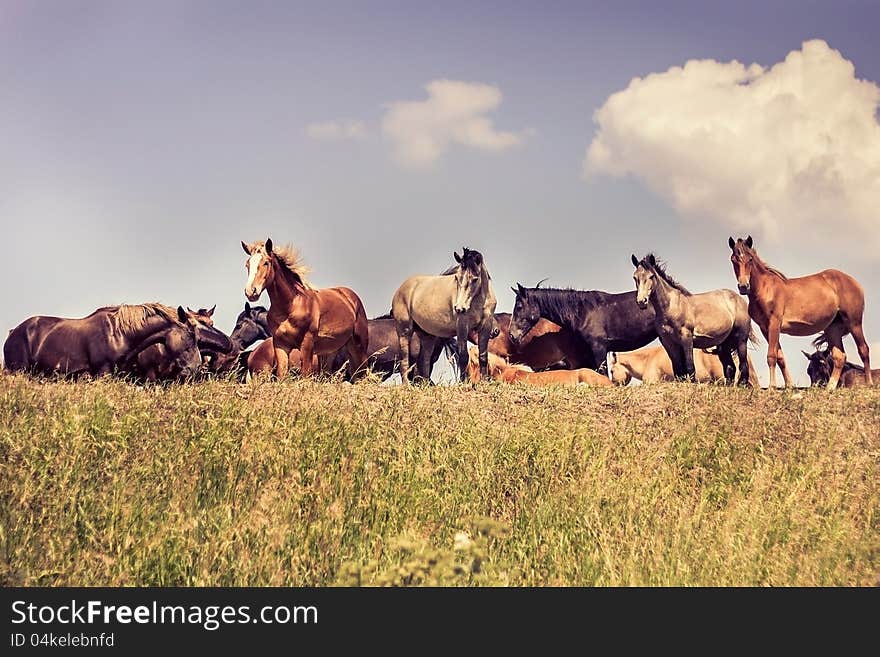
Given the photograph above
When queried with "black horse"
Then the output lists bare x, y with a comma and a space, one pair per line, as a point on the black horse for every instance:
383, 350
250, 326
602, 321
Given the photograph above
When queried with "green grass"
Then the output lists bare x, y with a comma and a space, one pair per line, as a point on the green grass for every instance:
315, 484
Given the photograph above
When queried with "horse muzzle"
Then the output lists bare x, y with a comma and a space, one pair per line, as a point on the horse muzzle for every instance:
459, 310
252, 294
643, 303
744, 288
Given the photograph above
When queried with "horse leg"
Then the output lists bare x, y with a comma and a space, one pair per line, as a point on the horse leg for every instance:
742, 353
307, 350
600, 355
725, 355
404, 334
461, 336
864, 351
675, 356
483, 346
772, 336
834, 333
426, 352
282, 361
687, 348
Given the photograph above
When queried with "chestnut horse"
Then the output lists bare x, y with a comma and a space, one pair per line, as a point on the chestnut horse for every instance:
829, 301
315, 321
546, 346
503, 371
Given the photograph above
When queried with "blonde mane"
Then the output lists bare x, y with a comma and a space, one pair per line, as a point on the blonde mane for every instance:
290, 259
128, 318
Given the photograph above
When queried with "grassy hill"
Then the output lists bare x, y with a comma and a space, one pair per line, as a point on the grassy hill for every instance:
305, 483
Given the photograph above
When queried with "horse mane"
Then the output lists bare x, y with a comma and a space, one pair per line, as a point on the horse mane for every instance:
564, 302
130, 318
764, 265
659, 268
290, 262
385, 316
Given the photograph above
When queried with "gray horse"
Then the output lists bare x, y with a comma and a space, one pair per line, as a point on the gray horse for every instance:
447, 306
685, 321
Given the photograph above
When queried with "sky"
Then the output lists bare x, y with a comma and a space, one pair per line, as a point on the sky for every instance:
141, 142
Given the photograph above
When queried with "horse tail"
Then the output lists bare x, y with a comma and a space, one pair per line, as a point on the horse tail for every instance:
450, 351
754, 338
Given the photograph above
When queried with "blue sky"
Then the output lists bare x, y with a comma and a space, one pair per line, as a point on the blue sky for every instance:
142, 141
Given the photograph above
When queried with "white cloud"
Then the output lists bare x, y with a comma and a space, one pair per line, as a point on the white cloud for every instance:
454, 112
793, 149
337, 130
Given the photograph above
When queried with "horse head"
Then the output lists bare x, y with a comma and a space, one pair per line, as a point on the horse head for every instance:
526, 313
819, 367
644, 278
260, 267
182, 347
469, 279
250, 325
742, 257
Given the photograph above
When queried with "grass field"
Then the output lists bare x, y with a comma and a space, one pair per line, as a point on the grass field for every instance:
305, 483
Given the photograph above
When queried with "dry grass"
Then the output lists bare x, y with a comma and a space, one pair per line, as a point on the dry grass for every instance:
106, 483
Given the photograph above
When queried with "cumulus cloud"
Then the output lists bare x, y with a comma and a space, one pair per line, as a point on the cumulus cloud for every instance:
454, 113
793, 148
337, 130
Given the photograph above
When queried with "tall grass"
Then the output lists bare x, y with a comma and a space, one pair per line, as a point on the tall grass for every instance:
304, 483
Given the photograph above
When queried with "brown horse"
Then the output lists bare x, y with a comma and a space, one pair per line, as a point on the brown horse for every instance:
104, 342
501, 370
159, 361
546, 345
829, 301
262, 359
315, 321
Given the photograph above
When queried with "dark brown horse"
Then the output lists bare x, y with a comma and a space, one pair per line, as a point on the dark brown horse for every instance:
829, 301
546, 346
251, 325
315, 321
821, 365
106, 341
159, 361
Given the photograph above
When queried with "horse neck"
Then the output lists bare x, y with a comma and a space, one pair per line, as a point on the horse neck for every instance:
282, 291
550, 310
663, 295
239, 340
761, 278
634, 362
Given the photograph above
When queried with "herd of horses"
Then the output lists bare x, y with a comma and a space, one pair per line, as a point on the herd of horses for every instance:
553, 336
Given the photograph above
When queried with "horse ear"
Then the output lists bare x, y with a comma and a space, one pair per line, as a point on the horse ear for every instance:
805, 354
520, 289
652, 260
514, 290
247, 249
731, 243
268, 245
457, 257
190, 310
749, 241
211, 312
635, 260
247, 307
181, 314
